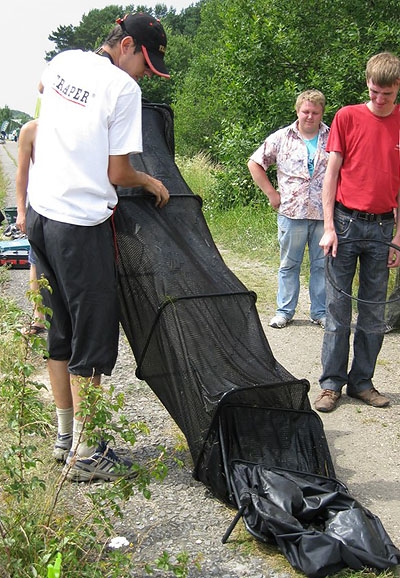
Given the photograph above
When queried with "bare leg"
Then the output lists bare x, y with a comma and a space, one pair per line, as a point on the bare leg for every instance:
67, 391
66, 387
39, 317
60, 383
77, 384
80, 445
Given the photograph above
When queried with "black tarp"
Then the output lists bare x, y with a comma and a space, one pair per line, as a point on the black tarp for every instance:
198, 342
313, 520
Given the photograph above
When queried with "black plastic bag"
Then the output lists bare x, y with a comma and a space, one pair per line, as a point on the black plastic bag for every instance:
312, 519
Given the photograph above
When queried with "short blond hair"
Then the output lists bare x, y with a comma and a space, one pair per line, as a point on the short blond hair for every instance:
383, 69
314, 96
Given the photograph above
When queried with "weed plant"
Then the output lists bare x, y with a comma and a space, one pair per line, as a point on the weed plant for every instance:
44, 520
199, 173
4, 183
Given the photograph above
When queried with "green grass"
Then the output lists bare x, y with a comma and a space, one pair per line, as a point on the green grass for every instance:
249, 231
199, 173
247, 235
4, 183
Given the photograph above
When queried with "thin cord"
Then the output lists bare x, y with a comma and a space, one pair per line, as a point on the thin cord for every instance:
328, 268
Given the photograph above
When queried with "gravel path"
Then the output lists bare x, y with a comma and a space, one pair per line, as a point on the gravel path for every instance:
182, 515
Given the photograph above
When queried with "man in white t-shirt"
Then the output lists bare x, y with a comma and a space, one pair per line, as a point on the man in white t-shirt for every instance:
90, 121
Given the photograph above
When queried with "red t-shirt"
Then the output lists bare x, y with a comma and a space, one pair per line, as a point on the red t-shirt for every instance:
369, 178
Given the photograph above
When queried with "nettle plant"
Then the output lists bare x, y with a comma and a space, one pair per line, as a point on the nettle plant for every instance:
48, 526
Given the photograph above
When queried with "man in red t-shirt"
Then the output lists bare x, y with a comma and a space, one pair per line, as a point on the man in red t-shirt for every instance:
361, 195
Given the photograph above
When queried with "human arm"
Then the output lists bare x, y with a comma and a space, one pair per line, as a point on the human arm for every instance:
121, 173
261, 179
329, 240
25, 155
394, 255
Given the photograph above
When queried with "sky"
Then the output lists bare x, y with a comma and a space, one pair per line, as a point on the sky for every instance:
26, 25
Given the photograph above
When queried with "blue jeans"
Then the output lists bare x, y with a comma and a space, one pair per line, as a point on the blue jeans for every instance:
371, 258
293, 236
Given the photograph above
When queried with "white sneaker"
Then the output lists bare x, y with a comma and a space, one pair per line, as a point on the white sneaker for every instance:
321, 321
279, 321
103, 465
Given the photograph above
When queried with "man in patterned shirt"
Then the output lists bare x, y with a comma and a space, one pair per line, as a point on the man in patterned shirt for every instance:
298, 151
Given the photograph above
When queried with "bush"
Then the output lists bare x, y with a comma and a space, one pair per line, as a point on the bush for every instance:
39, 517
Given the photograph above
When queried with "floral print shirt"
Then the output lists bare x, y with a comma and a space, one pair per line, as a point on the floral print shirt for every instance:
301, 194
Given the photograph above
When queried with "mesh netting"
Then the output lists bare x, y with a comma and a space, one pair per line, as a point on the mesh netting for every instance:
192, 324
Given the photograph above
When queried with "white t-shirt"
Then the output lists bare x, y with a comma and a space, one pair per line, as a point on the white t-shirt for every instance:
90, 109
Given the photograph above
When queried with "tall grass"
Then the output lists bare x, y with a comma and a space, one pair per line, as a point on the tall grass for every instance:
199, 173
42, 517
4, 183
245, 235
249, 231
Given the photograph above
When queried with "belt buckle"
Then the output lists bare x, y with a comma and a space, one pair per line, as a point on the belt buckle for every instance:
367, 216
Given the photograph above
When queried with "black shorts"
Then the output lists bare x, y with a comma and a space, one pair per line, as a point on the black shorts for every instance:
79, 264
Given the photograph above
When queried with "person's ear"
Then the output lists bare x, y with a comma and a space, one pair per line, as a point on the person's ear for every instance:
127, 43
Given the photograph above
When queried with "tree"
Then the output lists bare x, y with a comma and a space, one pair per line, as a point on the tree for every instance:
5, 114
64, 39
95, 26
177, 58
247, 70
90, 32
199, 106
185, 23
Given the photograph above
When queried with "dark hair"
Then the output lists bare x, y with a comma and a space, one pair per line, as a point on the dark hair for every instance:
115, 37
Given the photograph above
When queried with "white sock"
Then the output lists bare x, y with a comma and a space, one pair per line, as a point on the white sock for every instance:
65, 419
79, 443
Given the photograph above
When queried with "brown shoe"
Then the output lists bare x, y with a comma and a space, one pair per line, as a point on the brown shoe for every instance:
327, 400
371, 397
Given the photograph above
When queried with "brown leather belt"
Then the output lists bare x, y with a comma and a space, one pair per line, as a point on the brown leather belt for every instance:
364, 216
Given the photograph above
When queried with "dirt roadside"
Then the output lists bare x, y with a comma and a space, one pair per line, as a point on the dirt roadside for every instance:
364, 442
